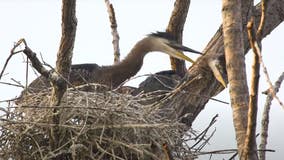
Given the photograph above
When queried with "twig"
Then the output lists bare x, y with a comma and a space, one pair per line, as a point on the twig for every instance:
11, 84
201, 136
234, 155
13, 52
265, 117
105, 151
8, 100
114, 126
17, 82
228, 151
114, 32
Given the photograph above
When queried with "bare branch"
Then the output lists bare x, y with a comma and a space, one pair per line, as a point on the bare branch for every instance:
36, 63
265, 117
11, 84
271, 88
250, 141
13, 52
114, 32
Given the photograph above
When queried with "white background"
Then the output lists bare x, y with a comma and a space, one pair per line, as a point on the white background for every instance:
39, 22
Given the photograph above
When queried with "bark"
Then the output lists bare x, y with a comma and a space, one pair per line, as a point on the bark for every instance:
63, 63
236, 69
65, 53
199, 83
175, 27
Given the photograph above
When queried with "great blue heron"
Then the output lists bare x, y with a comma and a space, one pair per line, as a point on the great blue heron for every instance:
116, 74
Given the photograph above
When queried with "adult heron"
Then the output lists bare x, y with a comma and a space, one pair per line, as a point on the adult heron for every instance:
114, 75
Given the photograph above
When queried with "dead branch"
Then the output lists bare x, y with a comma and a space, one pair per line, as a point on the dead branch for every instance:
229, 151
265, 117
33, 58
12, 52
12, 84
203, 134
114, 32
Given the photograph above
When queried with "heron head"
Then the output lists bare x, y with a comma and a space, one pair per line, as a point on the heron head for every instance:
165, 42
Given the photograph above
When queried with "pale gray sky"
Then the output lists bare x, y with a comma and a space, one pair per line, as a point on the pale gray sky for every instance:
38, 21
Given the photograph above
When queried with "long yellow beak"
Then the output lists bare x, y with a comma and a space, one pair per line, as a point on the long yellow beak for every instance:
215, 67
181, 56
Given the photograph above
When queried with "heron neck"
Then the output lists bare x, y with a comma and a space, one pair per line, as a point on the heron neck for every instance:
131, 64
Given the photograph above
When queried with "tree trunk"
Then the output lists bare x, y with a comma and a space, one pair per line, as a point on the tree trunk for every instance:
236, 70
63, 63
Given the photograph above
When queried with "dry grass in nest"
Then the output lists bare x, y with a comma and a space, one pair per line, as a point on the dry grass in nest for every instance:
93, 125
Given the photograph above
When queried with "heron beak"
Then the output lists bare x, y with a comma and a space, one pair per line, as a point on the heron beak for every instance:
218, 72
183, 48
181, 56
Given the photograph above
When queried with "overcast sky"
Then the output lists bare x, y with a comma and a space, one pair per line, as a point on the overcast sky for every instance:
38, 21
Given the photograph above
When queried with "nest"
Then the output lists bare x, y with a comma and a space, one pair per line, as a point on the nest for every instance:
94, 123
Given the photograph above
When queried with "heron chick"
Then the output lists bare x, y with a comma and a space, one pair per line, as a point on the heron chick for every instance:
114, 75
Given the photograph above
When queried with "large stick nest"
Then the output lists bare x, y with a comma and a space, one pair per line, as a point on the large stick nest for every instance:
95, 123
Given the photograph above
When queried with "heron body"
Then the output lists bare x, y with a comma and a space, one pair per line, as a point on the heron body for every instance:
114, 75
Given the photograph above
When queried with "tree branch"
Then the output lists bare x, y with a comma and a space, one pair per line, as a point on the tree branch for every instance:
115, 35
250, 141
175, 27
265, 117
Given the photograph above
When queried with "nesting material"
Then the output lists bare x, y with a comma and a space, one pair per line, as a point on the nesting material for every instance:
95, 123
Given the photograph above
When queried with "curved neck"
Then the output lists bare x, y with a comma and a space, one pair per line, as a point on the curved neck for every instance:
130, 65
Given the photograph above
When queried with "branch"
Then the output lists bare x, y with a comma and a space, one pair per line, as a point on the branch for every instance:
250, 141
175, 27
265, 117
12, 52
32, 57
262, 19
115, 35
